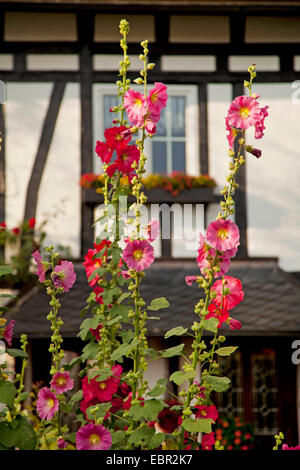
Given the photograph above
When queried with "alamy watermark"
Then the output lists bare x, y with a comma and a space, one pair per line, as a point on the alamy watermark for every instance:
296, 354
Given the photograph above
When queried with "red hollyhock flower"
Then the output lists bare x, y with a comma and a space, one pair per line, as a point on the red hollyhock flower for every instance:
16, 230
104, 151
209, 412
126, 157
96, 332
117, 137
231, 299
31, 222
2, 226
208, 440
220, 313
92, 264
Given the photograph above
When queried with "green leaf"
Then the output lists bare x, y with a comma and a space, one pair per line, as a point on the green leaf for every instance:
76, 397
102, 375
120, 352
109, 294
157, 304
178, 331
219, 384
175, 351
17, 353
88, 323
75, 360
226, 351
157, 440
152, 408
114, 320
97, 411
123, 296
71, 437
8, 296
127, 336
159, 388
116, 255
141, 436
211, 324
89, 351
118, 437
22, 396
7, 437
7, 393
180, 377
4, 270
197, 425
18, 433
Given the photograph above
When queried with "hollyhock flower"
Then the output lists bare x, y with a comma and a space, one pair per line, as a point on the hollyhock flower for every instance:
152, 230
208, 440
106, 389
231, 299
93, 437
8, 332
286, 447
157, 98
2, 226
209, 412
61, 443
98, 290
91, 263
167, 418
16, 230
202, 389
96, 332
243, 112
40, 265
64, 275
138, 254
256, 152
31, 222
47, 404
126, 274
223, 234
234, 324
232, 133
204, 262
126, 157
104, 151
190, 279
135, 105
116, 138
259, 126
220, 313
123, 390
62, 382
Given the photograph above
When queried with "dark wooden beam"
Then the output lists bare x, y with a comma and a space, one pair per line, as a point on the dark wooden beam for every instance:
240, 194
19, 63
203, 128
43, 150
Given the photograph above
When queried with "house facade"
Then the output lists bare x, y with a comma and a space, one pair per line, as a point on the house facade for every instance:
58, 65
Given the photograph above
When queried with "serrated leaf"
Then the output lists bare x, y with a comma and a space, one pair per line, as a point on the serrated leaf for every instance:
17, 353
197, 425
97, 411
175, 351
7, 393
88, 323
159, 388
114, 320
102, 375
120, 352
226, 351
118, 437
109, 294
140, 436
157, 440
211, 324
219, 384
123, 296
89, 351
76, 397
177, 331
157, 304
179, 377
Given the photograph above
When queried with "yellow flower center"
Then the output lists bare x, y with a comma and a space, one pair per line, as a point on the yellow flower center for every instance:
203, 413
102, 385
153, 97
138, 102
50, 403
61, 381
138, 254
244, 112
222, 233
94, 439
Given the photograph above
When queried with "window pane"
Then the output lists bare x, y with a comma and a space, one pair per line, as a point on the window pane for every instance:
161, 126
108, 102
230, 401
178, 116
178, 156
159, 157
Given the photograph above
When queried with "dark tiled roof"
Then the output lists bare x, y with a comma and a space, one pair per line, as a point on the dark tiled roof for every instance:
271, 305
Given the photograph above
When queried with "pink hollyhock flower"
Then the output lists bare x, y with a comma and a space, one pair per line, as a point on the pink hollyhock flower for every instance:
190, 279
104, 151
61, 443
209, 412
152, 230
138, 254
157, 98
31, 222
243, 112
93, 437
286, 447
16, 230
96, 332
62, 382
220, 313
205, 264
231, 299
126, 157
223, 234
208, 440
259, 126
126, 274
47, 404
232, 133
8, 332
64, 275
41, 271
135, 105
234, 324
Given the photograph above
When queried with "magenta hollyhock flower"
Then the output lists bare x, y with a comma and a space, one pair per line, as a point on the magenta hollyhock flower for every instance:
41, 271
126, 157
117, 137
157, 98
205, 265
96, 332
234, 324
220, 313
126, 274
152, 230
64, 275
286, 447
93, 437
8, 332
243, 112
260, 126
209, 412
190, 279
138, 254
231, 299
223, 234
104, 151
208, 440
61, 443
135, 105
47, 404
62, 382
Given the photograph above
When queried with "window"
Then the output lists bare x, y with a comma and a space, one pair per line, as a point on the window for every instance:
176, 144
